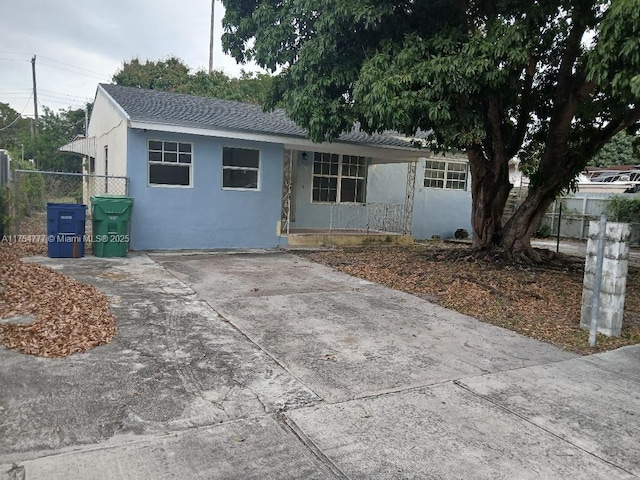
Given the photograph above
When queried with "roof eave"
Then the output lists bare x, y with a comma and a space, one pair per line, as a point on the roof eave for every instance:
289, 141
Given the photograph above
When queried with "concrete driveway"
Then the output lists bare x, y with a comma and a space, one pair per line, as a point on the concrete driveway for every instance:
270, 366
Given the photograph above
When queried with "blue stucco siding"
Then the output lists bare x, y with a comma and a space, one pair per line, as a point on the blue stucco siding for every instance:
436, 211
204, 215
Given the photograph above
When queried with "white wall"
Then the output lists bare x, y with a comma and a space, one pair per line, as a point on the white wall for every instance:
109, 128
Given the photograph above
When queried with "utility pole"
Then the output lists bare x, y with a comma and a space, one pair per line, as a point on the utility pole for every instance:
34, 131
213, 4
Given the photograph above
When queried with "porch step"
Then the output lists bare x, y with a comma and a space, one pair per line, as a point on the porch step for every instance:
347, 240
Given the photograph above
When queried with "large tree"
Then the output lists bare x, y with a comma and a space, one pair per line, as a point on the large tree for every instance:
548, 81
173, 75
620, 150
13, 128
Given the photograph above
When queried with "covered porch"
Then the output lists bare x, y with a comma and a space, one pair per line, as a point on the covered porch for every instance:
333, 194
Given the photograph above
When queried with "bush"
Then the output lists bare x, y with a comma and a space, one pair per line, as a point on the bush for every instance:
543, 231
624, 209
31, 189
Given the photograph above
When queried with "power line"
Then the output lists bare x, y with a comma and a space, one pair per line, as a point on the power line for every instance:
63, 94
14, 53
73, 66
13, 59
90, 75
76, 67
19, 115
61, 100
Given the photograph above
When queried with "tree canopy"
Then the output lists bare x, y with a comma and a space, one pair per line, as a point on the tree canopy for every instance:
550, 82
54, 130
622, 149
172, 75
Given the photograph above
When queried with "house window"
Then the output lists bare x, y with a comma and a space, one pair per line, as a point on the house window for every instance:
170, 163
338, 178
443, 174
240, 168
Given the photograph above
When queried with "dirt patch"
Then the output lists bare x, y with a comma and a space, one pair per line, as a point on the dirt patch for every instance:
540, 301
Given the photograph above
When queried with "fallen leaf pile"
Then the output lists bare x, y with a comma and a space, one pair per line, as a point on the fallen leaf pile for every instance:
540, 301
70, 317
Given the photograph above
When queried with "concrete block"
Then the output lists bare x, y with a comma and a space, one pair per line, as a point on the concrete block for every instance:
613, 285
617, 232
588, 282
611, 301
592, 247
585, 314
616, 250
615, 266
617, 269
609, 320
594, 229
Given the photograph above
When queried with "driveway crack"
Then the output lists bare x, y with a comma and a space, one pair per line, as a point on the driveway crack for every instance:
288, 425
462, 386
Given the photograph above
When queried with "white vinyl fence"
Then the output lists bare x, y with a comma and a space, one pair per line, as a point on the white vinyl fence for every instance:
576, 213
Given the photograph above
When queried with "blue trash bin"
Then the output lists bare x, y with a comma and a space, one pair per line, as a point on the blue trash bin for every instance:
65, 230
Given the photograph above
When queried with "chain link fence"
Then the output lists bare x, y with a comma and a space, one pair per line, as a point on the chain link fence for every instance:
31, 190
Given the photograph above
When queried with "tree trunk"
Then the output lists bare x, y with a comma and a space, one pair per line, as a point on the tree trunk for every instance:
517, 233
490, 189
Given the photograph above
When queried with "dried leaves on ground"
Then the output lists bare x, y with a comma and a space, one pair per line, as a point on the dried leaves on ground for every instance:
70, 317
540, 301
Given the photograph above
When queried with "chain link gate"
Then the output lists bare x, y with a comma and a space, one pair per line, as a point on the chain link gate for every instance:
31, 190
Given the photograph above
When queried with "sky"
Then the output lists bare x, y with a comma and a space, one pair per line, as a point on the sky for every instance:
80, 44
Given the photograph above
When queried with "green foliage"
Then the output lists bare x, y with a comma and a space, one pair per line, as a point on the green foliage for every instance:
169, 76
30, 189
54, 131
172, 75
624, 209
618, 151
543, 231
13, 128
548, 82
430, 65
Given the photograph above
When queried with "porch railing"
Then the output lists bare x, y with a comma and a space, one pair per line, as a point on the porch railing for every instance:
369, 217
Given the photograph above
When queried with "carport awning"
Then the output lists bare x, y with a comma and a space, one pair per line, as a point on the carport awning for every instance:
81, 146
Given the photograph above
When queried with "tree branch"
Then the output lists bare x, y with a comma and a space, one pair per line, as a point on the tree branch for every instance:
597, 141
569, 91
494, 118
526, 105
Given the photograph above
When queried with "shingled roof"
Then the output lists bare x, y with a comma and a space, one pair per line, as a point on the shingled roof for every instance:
152, 106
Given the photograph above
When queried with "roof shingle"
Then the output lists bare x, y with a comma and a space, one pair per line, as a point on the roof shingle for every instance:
211, 113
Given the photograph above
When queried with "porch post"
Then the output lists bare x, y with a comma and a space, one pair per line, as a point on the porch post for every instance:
408, 202
287, 180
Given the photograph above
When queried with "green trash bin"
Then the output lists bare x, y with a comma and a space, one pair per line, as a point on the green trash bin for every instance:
111, 215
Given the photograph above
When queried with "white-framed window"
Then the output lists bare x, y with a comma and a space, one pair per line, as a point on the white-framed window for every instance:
445, 174
338, 178
170, 163
240, 168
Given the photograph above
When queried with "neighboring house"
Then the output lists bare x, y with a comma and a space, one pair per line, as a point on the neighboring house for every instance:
207, 173
612, 180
